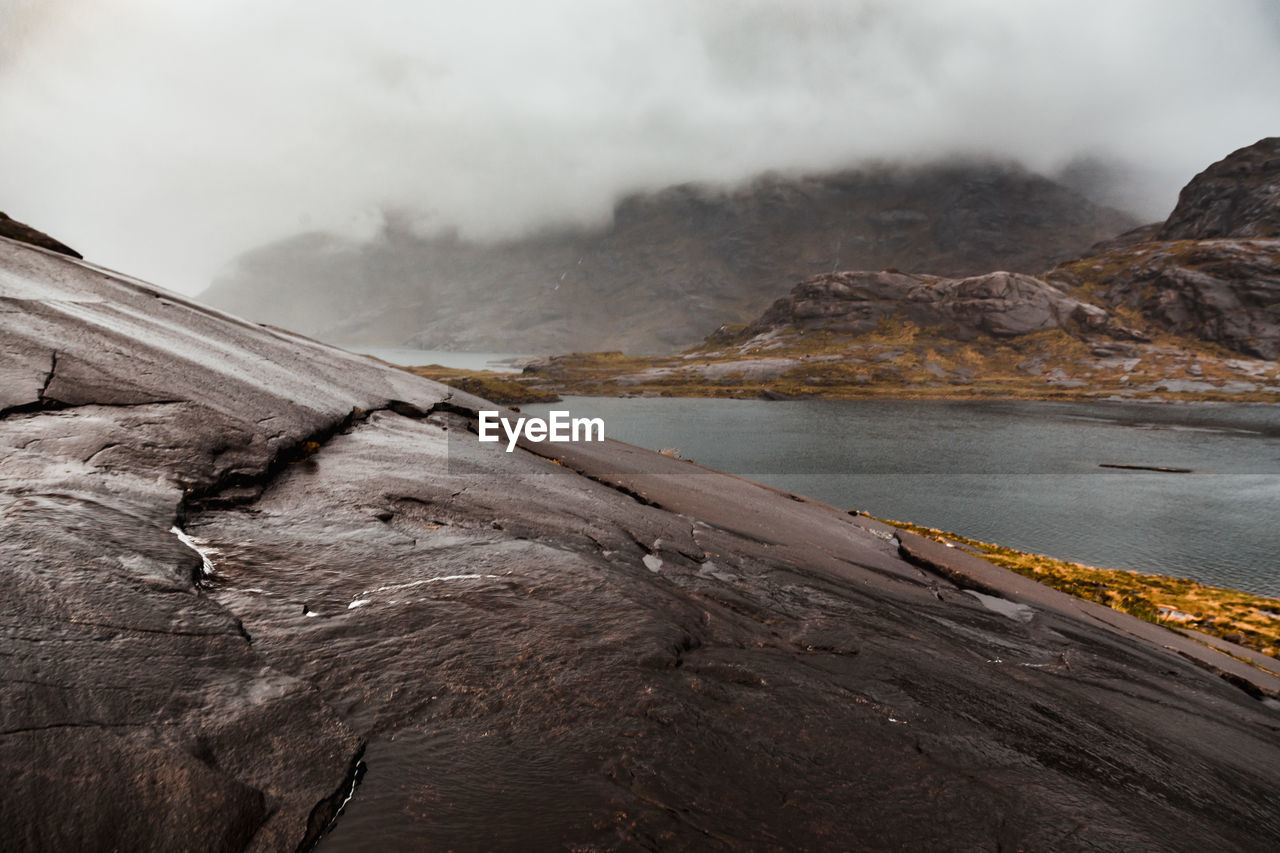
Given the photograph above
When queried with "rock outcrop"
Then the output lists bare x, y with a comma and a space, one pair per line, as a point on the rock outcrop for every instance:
1223, 291
671, 266
1143, 315
137, 713
1212, 270
999, 304
1239, 196
250, 579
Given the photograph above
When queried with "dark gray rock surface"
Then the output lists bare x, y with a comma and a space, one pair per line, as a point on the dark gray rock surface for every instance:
137, 714
611, 649
1224, 291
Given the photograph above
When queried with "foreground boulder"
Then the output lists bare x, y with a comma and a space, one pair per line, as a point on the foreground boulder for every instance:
250, 578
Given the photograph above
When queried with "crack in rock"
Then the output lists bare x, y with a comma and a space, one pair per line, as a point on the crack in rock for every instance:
324, 815
239, 488
48, 380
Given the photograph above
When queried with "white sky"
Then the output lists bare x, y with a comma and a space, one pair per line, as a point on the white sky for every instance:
162, 137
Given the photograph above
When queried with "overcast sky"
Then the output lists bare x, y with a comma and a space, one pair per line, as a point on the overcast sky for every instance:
163, 137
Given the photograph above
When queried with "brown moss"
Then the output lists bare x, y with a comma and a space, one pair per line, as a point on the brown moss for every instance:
1243, 617
502, 388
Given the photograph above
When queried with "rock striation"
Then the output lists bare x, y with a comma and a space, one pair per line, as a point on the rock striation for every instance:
250, 579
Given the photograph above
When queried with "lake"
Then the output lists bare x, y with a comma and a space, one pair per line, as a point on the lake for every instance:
1023, 474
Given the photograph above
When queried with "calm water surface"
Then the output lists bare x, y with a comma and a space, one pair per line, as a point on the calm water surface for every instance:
1024, 474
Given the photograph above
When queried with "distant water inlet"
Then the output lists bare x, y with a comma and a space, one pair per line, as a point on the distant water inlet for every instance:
1191, 490
500, 362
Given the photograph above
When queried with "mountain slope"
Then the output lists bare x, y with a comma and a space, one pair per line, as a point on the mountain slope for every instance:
1239, 196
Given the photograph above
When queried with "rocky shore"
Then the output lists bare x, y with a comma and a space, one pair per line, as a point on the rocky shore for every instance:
250, 578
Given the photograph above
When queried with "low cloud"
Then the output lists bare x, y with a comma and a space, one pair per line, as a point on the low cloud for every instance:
163, 138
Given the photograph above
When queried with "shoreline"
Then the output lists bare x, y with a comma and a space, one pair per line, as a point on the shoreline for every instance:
1131, 590
518, 389
1221, 612
1155, 598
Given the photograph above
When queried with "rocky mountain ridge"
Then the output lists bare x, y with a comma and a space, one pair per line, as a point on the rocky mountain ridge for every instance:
1212, 271
670, 266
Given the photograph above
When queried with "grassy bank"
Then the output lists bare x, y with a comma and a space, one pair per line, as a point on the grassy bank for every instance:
1249, 620
899, 362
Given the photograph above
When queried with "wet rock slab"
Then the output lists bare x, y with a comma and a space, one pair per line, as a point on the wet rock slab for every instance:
597, 648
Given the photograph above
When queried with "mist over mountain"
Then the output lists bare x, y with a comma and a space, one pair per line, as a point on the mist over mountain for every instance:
1187, 308
672, 265
166, 139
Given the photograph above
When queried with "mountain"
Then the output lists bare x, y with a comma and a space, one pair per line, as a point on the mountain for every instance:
1237, 197
258, 590
1212, 269
670, 266
1187, 308
24, 233
1138, 188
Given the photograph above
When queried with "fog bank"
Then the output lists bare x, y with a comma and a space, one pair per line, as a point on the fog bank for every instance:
162, 138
